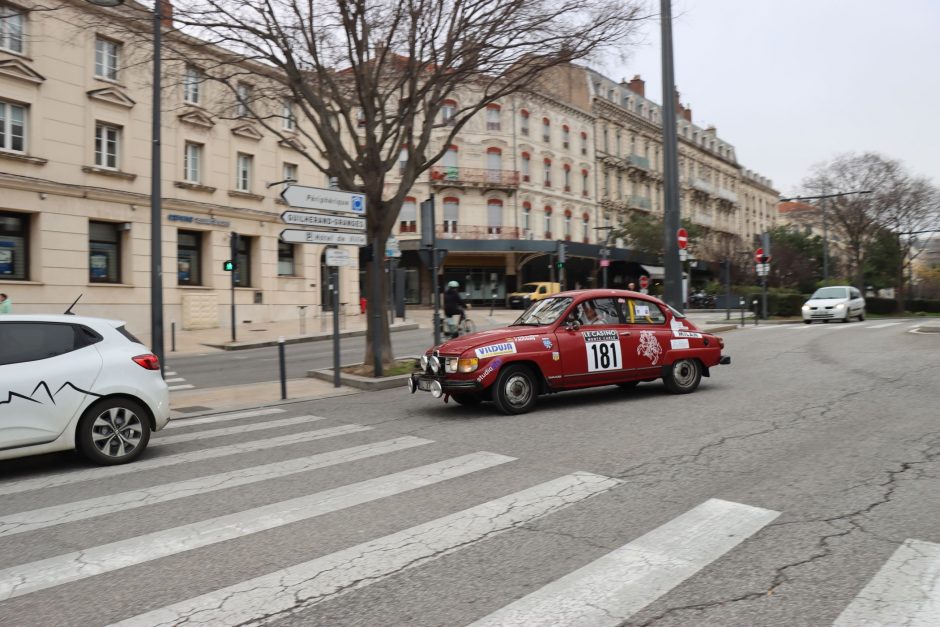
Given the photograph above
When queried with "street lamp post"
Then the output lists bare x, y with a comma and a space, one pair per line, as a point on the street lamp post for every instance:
156, 210
822, 205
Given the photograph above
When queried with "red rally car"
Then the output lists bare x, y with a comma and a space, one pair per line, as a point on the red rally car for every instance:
572, 340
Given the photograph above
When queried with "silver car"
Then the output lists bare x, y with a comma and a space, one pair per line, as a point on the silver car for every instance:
836, 302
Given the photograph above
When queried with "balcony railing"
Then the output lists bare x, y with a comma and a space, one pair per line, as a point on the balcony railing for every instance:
462, 231
727, 194
640, 202
703, 186
446, 175
638, 161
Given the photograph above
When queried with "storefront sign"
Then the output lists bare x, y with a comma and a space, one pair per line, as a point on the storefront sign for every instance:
175, 217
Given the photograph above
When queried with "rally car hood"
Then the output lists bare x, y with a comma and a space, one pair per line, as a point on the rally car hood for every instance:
482, 338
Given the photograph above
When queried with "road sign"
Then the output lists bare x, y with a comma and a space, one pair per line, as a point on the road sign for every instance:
325, 220
682, 236
605, 263
758, 255
763, 269
683, 254
338, 257
303, 197
644, 282
392, 248
297, 236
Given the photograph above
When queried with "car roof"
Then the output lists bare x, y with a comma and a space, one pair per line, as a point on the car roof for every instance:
62, 318
601, 293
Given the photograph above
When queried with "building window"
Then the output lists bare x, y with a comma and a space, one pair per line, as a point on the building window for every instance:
192, 163
104, 252
285, 259
14, 246
243, 93
546, 130
567, 171
12, 127
289, 172
107, 146
619, 186
451, 214
360, 118
606, 183
288, 121
547, 173
12, 27
192, 84
189, 257
606, 141
243, 261
106, 58
568, 225
526, 167
494, 213
565, 136
585, 183
548, 222
408, 216
584, 143
526, 217
243, 172
402, 159
585, 229
492, 117
618, 143
448, 111
524, 122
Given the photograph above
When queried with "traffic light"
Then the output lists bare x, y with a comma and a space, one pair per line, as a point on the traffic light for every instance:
561, 255
228, 265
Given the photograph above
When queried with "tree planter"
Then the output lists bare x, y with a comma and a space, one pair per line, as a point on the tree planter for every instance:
371, 384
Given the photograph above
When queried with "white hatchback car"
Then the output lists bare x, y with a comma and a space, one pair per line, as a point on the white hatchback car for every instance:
836, 302
71, 382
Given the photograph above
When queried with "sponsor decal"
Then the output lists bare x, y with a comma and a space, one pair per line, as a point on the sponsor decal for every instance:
642, 310
526, 338
679, 344
680, 330
649, 346
556, 356
494, 365
686, 334
599, 336
547, 343
504, 348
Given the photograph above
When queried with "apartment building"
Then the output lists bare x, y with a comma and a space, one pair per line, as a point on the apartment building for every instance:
75, 141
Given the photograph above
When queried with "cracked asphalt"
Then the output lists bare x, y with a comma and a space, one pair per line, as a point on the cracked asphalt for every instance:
836, 427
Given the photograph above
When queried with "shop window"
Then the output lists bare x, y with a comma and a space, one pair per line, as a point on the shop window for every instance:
286, 259
104, 252
189, 257
14, 246
243, 259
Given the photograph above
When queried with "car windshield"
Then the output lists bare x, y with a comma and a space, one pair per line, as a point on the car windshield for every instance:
830, 292
544, 311
528, 288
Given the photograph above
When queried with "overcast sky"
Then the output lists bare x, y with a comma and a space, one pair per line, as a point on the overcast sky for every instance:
792, 83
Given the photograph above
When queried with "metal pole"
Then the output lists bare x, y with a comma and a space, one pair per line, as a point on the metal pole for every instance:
234, 239
435, 284
763, 285
390, 269
672, 292
825, 242
741, 305
282, 368
727, 289
604, 258
172, 337
156, 212
334, 288
377, 320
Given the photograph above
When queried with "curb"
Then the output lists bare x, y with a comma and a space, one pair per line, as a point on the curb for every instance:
303, 339
368, 384
256, 405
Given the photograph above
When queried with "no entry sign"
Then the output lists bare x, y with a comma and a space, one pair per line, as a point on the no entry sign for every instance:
682, 236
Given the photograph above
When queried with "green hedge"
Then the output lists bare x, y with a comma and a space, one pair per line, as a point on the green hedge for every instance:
881, 305
780, 302
923, 304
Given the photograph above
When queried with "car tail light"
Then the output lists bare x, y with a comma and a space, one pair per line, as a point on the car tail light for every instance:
148, 361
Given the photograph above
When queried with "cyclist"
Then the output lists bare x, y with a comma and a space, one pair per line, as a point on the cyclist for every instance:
454, 306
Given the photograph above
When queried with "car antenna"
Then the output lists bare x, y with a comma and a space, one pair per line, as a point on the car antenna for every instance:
68, 312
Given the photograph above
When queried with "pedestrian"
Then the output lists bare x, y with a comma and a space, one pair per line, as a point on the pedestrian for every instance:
6, 305
631, 286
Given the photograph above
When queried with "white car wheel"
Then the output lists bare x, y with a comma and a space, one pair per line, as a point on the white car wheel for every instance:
113, 431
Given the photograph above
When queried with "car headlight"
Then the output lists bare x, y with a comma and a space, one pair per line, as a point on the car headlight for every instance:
424, 362
450, 364
435, 364
840, 306
805, 307
467, 364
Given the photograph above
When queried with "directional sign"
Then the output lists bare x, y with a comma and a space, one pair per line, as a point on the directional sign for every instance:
392, 247
338, 257
297, 236
683, 238
333, 221
303, 197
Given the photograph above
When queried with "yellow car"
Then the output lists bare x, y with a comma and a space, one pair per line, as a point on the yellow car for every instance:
528, 293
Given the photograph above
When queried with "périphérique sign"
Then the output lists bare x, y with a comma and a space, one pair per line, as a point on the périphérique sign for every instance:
298, 236
303, 197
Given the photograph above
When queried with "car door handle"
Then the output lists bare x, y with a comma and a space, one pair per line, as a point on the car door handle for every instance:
623, 333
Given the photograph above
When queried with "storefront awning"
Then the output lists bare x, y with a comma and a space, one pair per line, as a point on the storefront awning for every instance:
655, 272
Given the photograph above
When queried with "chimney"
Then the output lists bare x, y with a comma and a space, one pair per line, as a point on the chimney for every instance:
637, 85
687, 114
166, 13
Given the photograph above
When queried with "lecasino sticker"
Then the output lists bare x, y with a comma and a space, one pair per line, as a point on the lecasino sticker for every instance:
599, 336
503, 348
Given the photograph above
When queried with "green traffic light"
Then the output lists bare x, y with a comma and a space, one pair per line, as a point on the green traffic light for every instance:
228, 266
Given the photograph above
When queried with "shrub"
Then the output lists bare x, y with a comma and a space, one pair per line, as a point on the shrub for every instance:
881, 305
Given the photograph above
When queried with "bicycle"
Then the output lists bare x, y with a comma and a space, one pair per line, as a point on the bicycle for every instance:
463, 327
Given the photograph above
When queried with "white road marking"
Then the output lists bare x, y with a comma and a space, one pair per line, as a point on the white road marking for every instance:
90, 474
180, 387
176, 423
168, 373
26, 578
217, 433
175, 380
611, 589
317, 580
883, 325
21, 522
906, 591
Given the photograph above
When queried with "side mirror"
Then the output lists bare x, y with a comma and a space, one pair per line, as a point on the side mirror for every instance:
572, 325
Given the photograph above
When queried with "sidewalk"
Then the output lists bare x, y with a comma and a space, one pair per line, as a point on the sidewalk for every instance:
191, 403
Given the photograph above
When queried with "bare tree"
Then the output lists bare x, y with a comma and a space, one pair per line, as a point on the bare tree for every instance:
368, 78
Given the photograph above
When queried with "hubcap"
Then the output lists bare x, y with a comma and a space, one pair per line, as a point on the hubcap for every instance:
518, 390
684, 373
116, 432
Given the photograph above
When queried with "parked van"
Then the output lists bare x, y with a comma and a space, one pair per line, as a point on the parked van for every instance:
531, 292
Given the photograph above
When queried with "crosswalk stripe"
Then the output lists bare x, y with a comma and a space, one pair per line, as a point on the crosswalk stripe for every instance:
180, 387
217, 433
26, 578
22, 522
611, 589
317, 580
192, 422
15, 486
905, 591
175, 380
883, 325
168, 373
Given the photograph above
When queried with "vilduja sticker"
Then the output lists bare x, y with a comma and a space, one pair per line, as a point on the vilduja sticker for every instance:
504, 348
599, 336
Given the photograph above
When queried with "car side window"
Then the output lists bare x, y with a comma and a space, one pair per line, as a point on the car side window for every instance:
597, 311
542, 289
31, 341
638, 311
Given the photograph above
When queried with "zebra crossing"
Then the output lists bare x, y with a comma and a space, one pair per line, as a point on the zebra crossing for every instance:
833, 326
195, 461
175, 382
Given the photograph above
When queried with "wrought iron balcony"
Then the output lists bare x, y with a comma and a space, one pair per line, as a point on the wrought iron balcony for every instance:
639, 202
466, 231
446, 176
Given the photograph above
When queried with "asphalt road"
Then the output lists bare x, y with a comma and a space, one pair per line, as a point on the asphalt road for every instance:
797, 486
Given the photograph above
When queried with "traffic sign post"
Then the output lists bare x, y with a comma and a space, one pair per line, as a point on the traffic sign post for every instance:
323, 220
644, 284
682, 236
297, 236
762, 261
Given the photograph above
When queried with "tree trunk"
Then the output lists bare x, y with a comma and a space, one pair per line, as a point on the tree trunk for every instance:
377, 296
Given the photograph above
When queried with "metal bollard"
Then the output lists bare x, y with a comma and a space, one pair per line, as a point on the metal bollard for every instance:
302, 311
172, 337
756, 316
741, 306
282, 367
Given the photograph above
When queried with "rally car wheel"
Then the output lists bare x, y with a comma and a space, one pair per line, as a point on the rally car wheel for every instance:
515, 390
467, 399
684, 376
